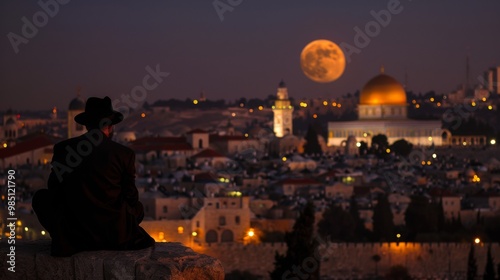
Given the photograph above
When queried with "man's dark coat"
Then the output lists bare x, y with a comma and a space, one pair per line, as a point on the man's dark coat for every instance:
92, 201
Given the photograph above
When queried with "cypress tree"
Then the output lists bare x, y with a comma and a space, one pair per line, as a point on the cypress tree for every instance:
471, 264
383, 223
489, 270
312, 145
301, 258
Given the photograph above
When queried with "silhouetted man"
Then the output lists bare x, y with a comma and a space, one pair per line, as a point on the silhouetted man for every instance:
92, 202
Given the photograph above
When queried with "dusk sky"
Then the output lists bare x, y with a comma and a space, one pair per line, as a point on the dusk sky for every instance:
105, 47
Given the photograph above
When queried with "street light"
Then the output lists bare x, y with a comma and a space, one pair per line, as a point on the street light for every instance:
477, 240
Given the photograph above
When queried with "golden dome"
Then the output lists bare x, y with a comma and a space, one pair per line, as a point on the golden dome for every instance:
383, 90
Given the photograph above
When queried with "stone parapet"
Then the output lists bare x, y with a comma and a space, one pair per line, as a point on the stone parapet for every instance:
164, 261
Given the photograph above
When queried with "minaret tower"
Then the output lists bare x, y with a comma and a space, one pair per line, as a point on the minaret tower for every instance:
76, 106
282, 110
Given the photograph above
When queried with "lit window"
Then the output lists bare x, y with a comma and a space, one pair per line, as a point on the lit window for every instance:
180, 230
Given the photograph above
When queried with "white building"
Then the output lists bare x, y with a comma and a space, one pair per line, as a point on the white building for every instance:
382, 109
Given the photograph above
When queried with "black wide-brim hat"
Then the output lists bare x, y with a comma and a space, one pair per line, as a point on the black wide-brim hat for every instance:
99, 111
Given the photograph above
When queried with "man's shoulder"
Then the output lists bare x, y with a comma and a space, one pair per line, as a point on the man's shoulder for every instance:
120, 148
68, 142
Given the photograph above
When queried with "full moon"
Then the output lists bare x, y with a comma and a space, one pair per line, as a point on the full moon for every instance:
322, 61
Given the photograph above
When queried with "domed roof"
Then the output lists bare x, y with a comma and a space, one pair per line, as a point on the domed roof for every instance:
382, 90
77, 104
10, 121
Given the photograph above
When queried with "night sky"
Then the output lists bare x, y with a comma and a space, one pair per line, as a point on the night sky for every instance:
105, 46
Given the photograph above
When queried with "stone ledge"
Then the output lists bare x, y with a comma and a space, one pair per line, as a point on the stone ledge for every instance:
164, 261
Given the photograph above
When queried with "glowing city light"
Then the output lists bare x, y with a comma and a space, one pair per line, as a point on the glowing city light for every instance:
250, 110
429, 162
143, 115
283, 158
4, 145
315, 116
233, 114
431, 99
476, 179
261, 108
398, 235
493, 141
358, 144
242, 105
388, 150
195, 102
334, 104
180, 230
251, 232
194, 233
483, 99
43, 232
430, 139
26, 228
473, 104
423, 162
19, 223
417, 106
303, 104
434, 156
325, 103
490, 107
477, 240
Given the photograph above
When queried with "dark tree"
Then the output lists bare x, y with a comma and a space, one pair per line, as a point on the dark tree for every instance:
363, 148
336, 224
440, 218
421, 216
380, 143
301, 258
376, 259
360, 231
312, 145
489, 270
471, 264
401, 147
383, 223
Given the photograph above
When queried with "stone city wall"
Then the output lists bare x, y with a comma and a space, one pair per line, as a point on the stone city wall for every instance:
354, 260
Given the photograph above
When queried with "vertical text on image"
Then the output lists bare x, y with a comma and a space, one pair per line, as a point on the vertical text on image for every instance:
11, 219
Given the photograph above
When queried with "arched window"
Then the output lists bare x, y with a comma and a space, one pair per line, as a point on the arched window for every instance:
200, 143
211, 236
222, 221
165, 209
237, 220
227, 236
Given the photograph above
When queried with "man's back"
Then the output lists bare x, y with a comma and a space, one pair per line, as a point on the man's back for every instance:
95, 198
